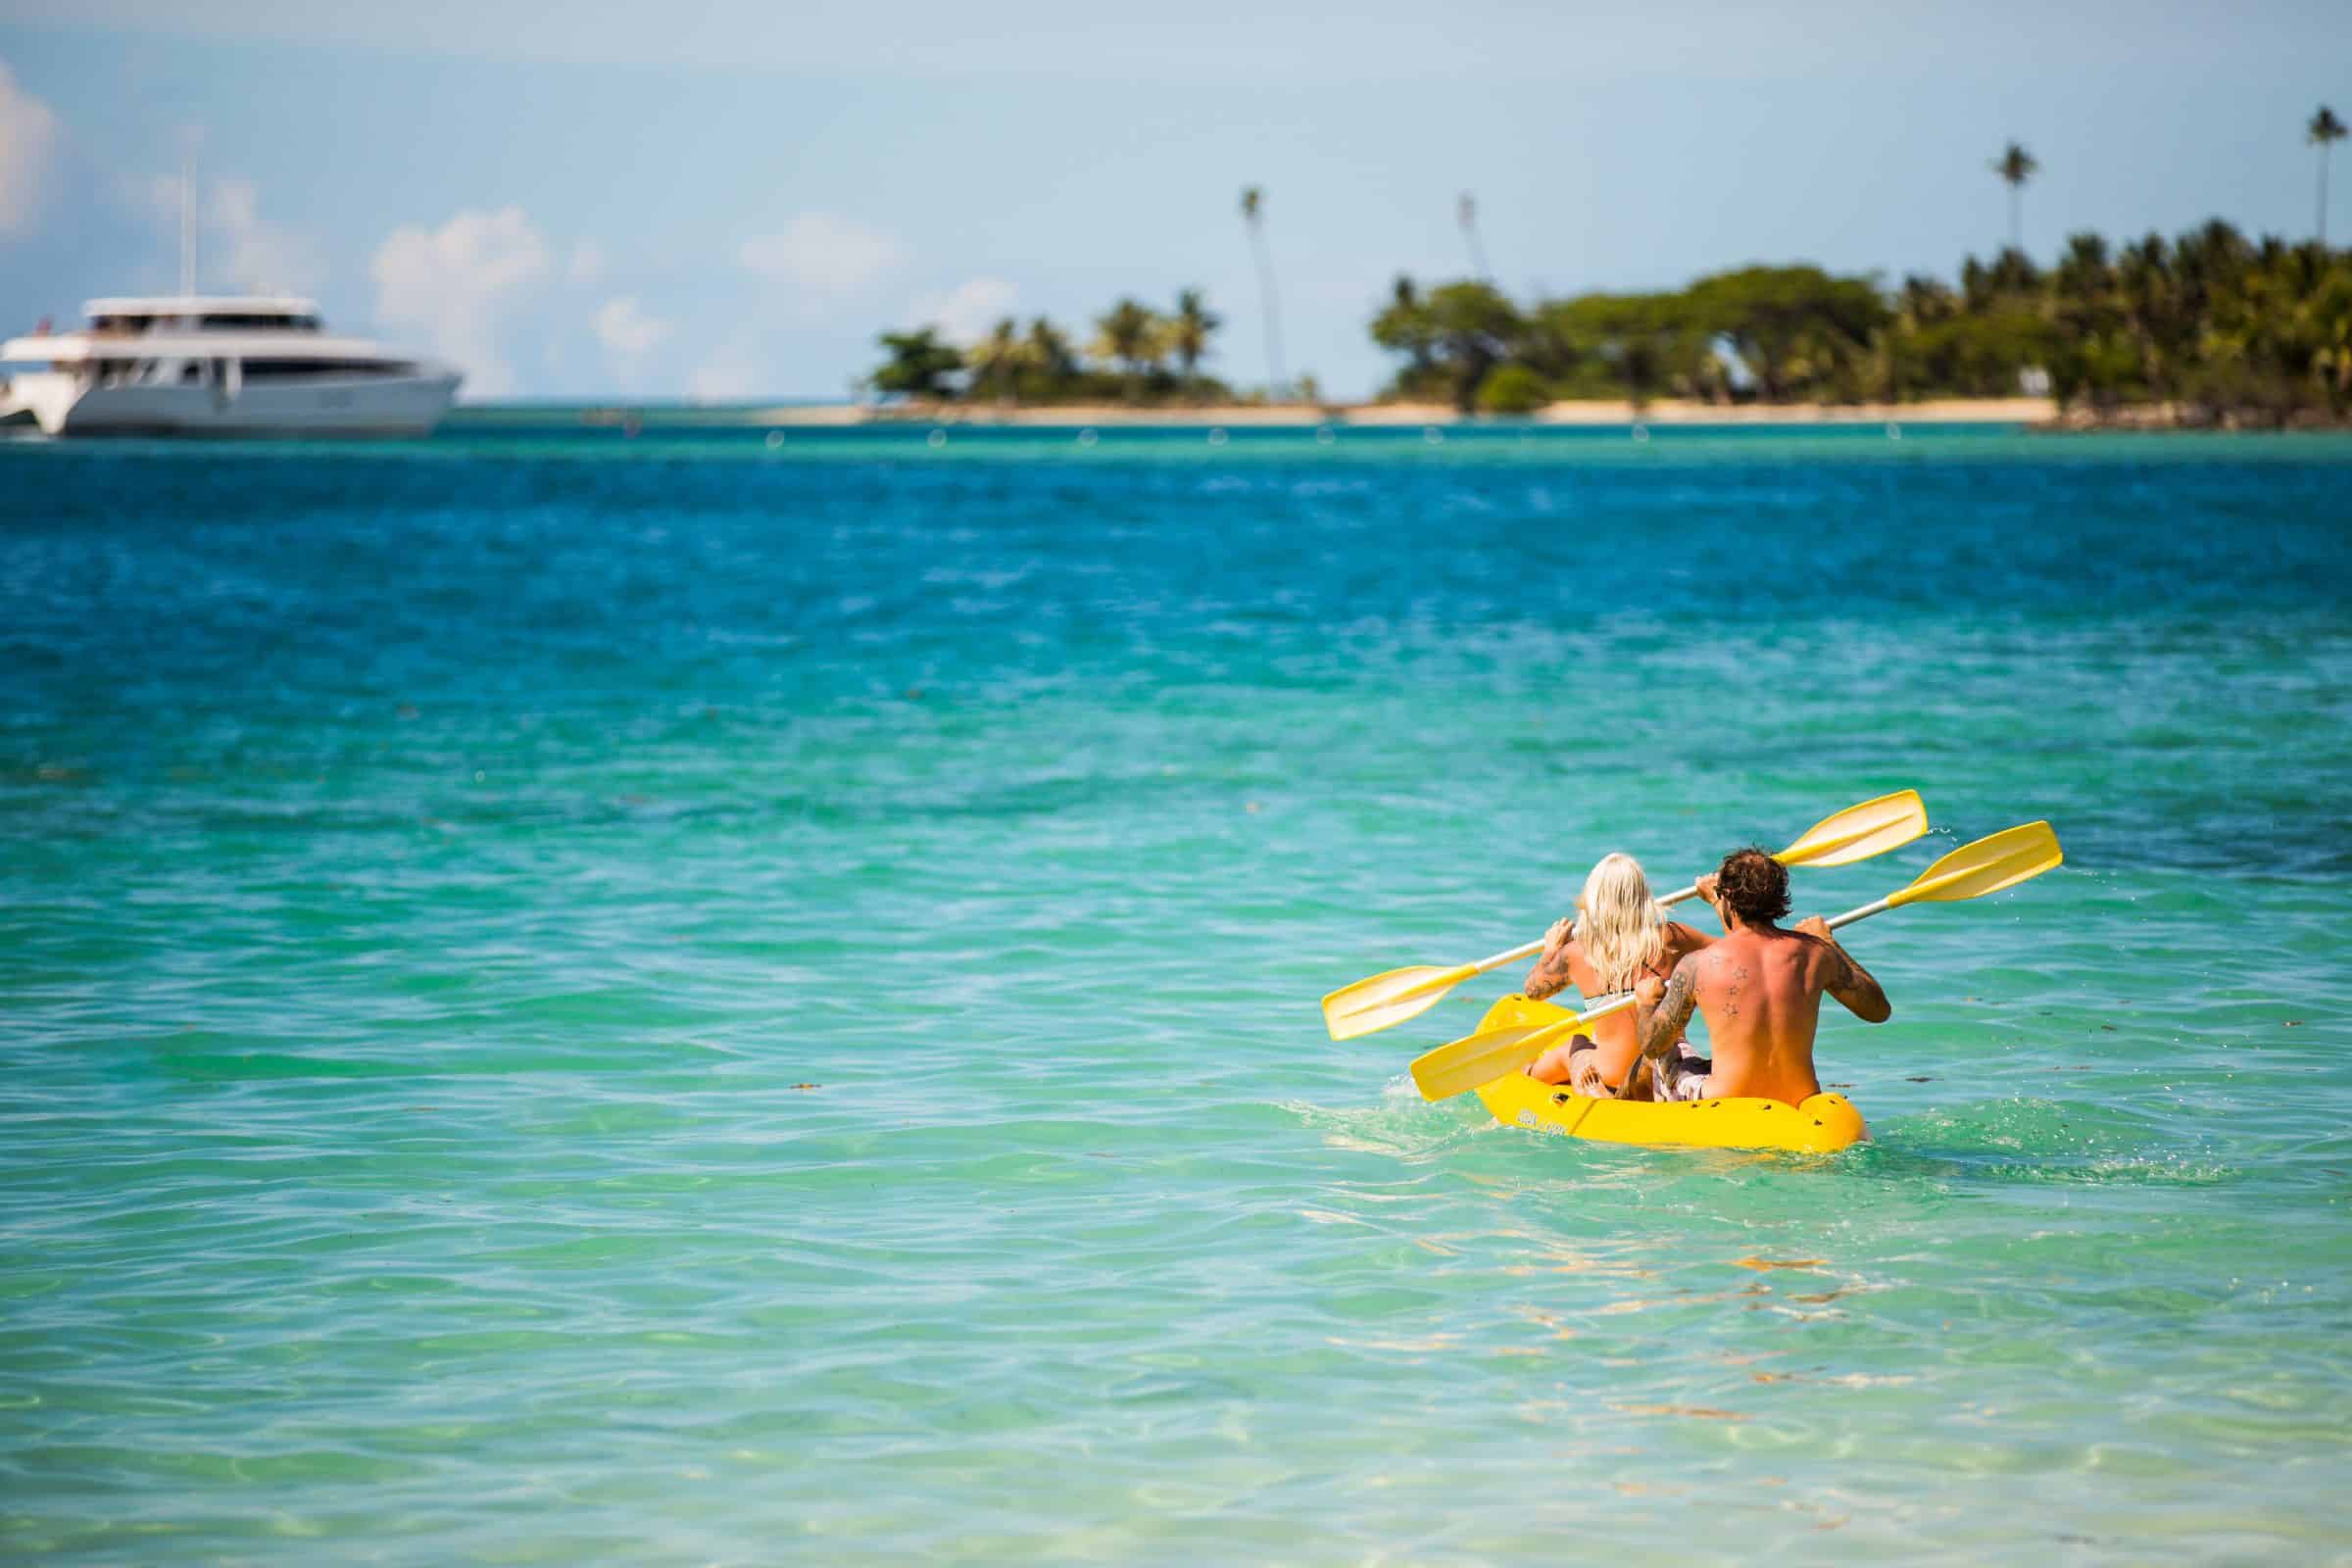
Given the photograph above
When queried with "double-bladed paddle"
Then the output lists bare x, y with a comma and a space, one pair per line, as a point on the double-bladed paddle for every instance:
1990, 864
1854, 834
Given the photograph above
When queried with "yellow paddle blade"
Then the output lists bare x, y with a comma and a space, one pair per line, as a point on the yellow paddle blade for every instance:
1461, 1065
1389, 998
2003, 860
1860, 831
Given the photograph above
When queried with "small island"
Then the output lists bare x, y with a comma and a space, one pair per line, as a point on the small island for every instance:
2210, 330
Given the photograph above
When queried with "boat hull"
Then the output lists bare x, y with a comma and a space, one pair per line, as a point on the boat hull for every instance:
1824, 1124
373, 406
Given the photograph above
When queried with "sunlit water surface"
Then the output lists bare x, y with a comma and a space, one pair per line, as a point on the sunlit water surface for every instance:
690, 1001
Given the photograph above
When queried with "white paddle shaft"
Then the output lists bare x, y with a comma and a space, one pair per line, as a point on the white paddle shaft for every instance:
1614, 1002
1875, 906
1677, 895
1526, 949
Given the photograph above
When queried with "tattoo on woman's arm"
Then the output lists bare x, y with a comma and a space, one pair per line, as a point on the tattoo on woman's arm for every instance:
1547, 977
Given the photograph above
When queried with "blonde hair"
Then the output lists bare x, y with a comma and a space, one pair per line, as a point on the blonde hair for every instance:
1618, 923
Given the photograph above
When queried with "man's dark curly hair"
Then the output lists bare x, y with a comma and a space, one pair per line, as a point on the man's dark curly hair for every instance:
1753, 885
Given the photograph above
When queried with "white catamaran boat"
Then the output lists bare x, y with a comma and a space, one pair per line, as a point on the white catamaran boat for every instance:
220, 364
192, 364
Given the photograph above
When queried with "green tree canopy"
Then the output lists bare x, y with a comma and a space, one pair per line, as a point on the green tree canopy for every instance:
1473, 328
1403, 327
1637, 345
919, 365
1799, 331
1512, 389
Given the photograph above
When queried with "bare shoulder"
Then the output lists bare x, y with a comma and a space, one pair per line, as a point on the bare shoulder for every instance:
1699, 964
1824, 958
1683, 940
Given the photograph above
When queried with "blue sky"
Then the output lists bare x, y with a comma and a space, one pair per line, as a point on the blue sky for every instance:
733, 199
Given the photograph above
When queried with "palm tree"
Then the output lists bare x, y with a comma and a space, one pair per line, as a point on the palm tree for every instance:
1130, 334
2081, 281
1466, 212
2016, 166
1188, 331
1924, 301
2323, 128
1254, 213
997, 360
2209, 262
1051, 354
2146, 290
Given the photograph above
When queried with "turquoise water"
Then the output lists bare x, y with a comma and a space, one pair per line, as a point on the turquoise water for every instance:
682, 1002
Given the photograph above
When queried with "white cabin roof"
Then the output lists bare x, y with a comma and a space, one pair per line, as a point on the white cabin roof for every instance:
72, 348
201, 304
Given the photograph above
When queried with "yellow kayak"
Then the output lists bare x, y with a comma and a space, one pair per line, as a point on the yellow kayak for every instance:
1822, 1125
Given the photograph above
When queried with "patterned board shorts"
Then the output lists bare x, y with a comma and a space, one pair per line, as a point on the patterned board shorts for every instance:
1682, 1074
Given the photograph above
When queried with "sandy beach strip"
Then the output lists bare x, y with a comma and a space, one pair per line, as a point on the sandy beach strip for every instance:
1664, 411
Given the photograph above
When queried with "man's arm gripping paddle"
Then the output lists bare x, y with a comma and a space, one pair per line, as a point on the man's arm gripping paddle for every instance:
1850, 985
1854, 834
1990, 864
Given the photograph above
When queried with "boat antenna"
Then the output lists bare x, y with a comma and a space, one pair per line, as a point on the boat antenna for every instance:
188, 224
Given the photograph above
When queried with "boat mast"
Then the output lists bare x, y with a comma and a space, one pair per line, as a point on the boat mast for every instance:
187, 226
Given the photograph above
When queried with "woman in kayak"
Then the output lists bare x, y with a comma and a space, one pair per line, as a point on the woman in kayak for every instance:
1616, 938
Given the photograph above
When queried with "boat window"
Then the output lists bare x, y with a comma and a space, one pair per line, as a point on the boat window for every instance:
310, 370
190, 373
265, 321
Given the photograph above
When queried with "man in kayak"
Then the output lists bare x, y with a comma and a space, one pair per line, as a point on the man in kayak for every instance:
1758, 987
1616, 937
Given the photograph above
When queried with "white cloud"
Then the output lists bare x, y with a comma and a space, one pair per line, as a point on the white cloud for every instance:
731, 374
587, 261
824, 258
625, 330
965, 313
451, 282
261, 255
28, 130
236, 247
